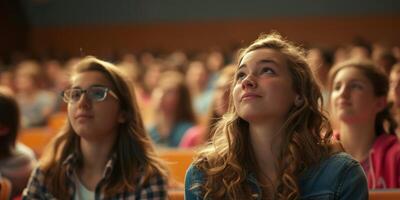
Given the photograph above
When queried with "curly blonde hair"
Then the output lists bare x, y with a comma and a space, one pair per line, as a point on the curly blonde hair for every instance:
303, 143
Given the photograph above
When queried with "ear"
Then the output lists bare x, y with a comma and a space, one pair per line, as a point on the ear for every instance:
122, 117
381, 104
298, 101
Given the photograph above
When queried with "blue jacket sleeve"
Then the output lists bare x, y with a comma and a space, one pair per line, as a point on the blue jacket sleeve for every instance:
194, 177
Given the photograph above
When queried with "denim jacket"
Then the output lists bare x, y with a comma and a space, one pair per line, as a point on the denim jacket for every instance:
338, 177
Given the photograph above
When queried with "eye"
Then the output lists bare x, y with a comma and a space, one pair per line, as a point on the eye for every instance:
75, 94
98, 93
267, 70
336, 86
240, 75
356, 86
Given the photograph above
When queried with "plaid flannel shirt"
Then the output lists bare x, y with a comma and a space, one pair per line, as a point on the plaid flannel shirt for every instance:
154, 189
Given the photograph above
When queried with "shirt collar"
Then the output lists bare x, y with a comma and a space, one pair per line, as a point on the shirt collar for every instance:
71, 163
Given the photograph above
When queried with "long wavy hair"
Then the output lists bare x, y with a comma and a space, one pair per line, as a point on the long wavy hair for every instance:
384, 121
306, 136
135, 154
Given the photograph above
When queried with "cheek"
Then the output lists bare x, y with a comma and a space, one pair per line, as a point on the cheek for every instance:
71, 111
236, 95
170, 100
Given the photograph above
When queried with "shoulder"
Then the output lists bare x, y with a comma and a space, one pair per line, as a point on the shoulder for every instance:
338, 174
385, 142
154, 188
194, 174
194, 178
340, 160
332, 166
25, 150
36, 187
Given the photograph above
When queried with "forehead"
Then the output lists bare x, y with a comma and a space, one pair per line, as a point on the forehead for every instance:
89, 78
350, 74
395, 74
264, 54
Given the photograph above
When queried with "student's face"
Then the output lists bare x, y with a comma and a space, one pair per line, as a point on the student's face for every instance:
353, 99
394, 92
166, 98
91, 119
24, 83
263, 87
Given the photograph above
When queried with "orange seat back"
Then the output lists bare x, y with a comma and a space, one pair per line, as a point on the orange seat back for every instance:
178, 162
36, 138
176, 195
387, 194
56, 121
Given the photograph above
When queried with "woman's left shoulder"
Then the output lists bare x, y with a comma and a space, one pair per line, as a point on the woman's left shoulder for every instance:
332, 169
339, 175
340, 160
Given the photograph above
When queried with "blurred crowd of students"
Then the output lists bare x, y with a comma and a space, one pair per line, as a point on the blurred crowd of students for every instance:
181, 96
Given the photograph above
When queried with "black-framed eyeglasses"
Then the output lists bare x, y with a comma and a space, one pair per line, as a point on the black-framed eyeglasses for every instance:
94, 93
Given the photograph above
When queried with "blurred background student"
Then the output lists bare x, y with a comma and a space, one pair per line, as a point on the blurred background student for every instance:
201, 133
16, 160
365, 126
173, 111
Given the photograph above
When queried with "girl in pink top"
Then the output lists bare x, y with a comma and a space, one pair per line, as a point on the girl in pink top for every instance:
358, 100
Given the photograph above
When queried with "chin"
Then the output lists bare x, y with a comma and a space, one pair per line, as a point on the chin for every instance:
249, 118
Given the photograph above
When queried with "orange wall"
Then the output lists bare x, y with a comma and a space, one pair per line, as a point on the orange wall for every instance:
102, 40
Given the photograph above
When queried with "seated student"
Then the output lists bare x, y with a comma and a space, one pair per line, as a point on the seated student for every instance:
201, 134
269, 145
358, 99
174, 114
36, 104
103, 152
16, 160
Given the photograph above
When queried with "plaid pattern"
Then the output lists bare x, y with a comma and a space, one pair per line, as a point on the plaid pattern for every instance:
154, 189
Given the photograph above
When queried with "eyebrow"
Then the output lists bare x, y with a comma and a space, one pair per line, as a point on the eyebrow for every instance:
94, 85
260, 62
352, 81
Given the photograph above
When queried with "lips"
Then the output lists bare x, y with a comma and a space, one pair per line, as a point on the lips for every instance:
343, 103
83, 116
249, 96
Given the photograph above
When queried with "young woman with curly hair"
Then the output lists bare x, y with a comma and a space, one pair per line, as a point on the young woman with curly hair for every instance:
274, 141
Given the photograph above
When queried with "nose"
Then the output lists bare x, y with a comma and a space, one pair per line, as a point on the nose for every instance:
397, 88
84, 101
249, 82
344, 92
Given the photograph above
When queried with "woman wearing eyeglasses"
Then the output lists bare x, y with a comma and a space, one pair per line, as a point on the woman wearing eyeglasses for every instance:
103, 152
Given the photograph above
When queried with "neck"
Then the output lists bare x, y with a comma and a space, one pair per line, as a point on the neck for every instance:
357, 139
96, 154
266, 146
